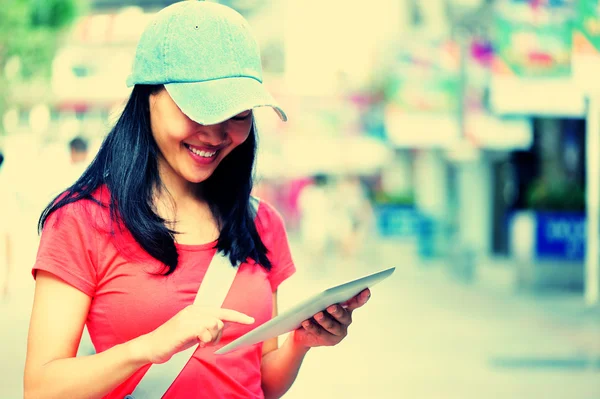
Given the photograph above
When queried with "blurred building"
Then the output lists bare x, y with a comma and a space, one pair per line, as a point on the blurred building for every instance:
466, 119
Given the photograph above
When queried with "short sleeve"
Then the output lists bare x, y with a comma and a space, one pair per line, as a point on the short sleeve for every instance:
68, 248
271, 228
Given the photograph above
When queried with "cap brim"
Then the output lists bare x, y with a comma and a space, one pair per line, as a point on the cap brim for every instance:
215, 101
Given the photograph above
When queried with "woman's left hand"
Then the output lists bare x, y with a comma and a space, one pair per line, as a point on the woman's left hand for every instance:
329, 327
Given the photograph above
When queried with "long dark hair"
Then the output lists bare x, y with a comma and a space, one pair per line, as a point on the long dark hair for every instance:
127, 163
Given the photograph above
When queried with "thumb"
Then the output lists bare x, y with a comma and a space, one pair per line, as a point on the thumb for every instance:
358, 300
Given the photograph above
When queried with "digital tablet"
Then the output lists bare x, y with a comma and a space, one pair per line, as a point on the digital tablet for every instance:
293, 318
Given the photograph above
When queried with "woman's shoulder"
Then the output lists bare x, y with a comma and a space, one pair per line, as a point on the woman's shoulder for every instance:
93, 210
267, 216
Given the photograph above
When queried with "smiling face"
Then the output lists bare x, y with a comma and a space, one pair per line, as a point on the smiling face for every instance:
190, 152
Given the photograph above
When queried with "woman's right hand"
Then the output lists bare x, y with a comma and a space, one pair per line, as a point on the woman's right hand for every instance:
192, 325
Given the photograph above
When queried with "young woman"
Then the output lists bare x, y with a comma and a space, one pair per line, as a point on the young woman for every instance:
125, 249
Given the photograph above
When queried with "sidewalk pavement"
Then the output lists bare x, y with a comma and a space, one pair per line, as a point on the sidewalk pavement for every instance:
427, 335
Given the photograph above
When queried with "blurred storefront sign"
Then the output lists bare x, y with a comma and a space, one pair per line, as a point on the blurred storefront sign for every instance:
534, 42
548, 236
299, 155
424, 78
422, 106
586, 46
421, 92
532, 69
536, 97
560, 236
484, 131
487, 131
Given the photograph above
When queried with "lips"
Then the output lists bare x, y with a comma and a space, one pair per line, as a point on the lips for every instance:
202, 155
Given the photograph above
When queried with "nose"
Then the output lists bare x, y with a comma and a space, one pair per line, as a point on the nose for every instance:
216, 134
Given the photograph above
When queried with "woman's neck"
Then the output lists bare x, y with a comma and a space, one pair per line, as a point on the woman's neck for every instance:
176, 187
185, 212
183, 206
174, 195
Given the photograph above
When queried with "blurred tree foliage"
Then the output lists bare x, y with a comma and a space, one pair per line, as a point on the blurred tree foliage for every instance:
556, 196
404, 199
31, 30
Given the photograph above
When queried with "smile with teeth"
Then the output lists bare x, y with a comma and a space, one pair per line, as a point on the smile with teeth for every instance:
204, 154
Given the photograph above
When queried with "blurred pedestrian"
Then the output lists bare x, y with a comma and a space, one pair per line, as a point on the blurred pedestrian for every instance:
7, 215
79, 150
354, 214
317, 220
78, 157
127, 247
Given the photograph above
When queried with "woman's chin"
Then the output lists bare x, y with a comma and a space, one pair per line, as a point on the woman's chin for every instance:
196, 178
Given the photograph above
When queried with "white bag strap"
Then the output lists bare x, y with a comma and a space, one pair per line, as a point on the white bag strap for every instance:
212, 292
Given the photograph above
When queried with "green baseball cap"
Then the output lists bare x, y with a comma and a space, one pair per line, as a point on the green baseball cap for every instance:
207, 58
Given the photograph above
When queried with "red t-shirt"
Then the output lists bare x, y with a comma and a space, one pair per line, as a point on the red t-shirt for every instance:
128, 300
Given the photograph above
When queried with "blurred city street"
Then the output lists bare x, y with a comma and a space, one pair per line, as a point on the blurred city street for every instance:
422, 335
457, 140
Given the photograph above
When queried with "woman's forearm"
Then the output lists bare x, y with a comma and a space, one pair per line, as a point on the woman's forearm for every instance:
280, 368
85, 377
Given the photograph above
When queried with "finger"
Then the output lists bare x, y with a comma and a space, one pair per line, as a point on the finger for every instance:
340, 314
205, 338
234, 316
358, 300
312, 328
214, 326
329, 324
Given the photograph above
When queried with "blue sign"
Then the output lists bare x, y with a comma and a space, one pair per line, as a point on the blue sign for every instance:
397, 221
560, 236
